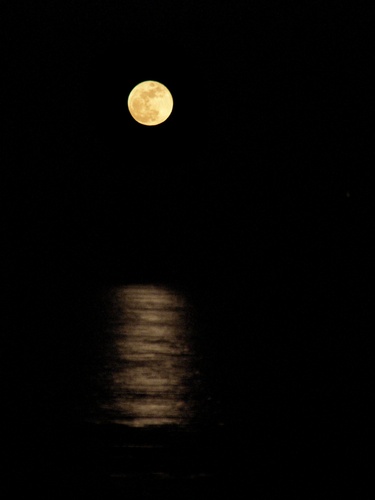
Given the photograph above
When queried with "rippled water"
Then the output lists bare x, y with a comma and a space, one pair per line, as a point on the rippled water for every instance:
173, 388
151, 371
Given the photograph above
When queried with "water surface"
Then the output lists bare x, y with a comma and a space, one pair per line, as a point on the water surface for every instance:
151, 372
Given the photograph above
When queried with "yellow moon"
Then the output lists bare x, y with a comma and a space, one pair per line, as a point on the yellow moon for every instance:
150, 103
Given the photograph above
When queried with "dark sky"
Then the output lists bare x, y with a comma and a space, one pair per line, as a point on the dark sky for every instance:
263, 152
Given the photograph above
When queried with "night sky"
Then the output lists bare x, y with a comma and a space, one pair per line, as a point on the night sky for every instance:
264, 151
261, 172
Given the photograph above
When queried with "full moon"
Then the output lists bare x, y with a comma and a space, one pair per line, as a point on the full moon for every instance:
150, 103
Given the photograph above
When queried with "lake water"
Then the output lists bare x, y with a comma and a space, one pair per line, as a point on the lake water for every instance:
155, 390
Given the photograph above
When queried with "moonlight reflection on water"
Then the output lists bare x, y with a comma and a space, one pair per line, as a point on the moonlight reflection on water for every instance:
152, 372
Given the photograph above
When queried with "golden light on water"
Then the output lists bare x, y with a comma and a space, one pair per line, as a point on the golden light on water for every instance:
154, 364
